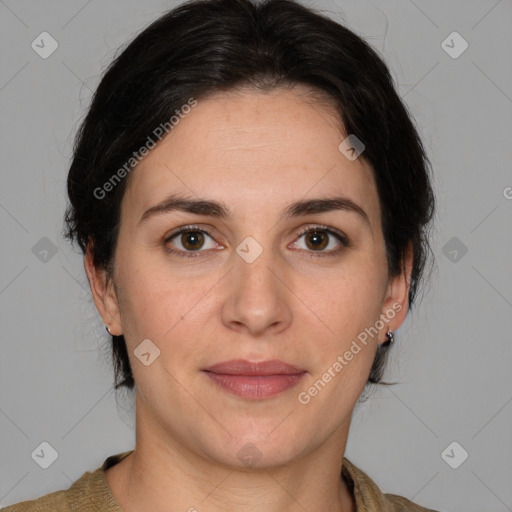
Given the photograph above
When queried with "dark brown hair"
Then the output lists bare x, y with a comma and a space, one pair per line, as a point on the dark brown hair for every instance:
207, 46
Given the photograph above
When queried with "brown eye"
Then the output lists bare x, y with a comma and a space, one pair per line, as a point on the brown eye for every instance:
317, 240
192, 240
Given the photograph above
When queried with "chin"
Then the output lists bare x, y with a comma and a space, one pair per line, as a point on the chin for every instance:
253, 449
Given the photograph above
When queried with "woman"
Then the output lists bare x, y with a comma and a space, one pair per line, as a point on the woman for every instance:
252, 201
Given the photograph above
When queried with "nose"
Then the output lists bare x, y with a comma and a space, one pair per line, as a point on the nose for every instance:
258, 296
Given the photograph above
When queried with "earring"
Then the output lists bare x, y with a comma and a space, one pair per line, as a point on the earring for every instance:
107, 327
390, 338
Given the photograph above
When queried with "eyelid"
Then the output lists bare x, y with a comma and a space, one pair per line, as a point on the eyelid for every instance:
320, 227
342, 238
186, 229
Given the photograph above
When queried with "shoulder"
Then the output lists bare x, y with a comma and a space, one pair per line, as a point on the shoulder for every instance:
78, 497
401, 504
56, 501
90, 493
368, 496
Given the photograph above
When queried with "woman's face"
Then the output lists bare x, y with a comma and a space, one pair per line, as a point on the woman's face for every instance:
248, 287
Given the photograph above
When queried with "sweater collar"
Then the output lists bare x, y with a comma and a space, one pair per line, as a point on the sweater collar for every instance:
368, 496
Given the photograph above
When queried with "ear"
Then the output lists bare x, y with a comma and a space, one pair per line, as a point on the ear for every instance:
396, 301
103, 293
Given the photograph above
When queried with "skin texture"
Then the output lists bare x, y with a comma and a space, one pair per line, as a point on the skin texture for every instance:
256, 152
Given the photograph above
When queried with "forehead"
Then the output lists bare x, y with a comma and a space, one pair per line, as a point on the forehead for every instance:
253, 150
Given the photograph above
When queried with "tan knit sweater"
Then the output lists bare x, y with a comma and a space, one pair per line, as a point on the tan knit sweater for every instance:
90, 493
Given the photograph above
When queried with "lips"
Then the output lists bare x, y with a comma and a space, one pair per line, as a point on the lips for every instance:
255, 381
263, 368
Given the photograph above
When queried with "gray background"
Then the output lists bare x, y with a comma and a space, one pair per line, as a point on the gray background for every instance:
452, 356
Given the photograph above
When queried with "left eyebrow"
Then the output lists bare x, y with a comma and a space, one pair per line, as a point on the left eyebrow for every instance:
220, 210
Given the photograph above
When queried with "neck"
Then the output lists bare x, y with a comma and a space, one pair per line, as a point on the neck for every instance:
164, 475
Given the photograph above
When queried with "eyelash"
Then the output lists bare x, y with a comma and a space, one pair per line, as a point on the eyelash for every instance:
311, 254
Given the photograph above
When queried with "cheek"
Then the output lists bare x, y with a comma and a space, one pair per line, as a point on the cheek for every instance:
162, 305
348, 305
146, 298
348, 299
